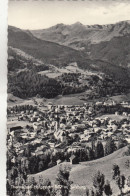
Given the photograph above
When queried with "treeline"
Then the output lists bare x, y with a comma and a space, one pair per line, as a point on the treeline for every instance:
19, 108
69, 77
28, 84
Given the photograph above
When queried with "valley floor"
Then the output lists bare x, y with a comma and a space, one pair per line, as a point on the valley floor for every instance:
73, 99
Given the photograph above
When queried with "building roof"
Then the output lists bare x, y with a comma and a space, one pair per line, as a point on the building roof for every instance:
58, 161
72, 157
16, 128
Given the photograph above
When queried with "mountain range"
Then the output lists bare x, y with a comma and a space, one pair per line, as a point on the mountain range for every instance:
69, 34
106, 42
103, 48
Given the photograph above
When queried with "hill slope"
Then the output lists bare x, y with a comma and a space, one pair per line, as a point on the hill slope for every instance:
43, 50
116, 51
82, 174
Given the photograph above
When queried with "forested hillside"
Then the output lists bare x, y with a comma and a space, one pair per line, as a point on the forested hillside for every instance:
28, 84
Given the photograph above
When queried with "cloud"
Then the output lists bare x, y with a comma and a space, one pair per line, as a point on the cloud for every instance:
42, 14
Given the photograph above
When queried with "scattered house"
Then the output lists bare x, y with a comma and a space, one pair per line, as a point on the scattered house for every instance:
31, 111
15, 131
27, 111
37, 126
58, 161
60, 135
73, 159
49, 105
116, 113
98, 103
39, 153
17, 128
51, 144
39, 119
24, 162
13, 160
125, 114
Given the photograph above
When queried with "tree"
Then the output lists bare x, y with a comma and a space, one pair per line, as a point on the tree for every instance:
27, 151
97, 193
87, 192
127, 163
98, 183
128, 181
90, 154
8, 188
14, 174
107, 188
92, 192
120, 179
128, 150
63, 180
40, 166
110, 146
32, 183
83, 155
116, 171
99, 150
121, 143
45, 182
45, 187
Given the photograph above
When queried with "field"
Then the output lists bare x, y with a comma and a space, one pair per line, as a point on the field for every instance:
120, 98
67, 100
13, 101
73, 99
59, 100
114, 117
59, 71
82, 174
50, 74
16, 123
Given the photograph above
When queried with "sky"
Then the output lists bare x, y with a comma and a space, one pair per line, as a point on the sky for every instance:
40, 14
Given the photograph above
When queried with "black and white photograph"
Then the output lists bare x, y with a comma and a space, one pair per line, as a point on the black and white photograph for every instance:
68, 98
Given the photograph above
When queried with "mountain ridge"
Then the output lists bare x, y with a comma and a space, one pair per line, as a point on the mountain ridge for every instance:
107, 42
80, 31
